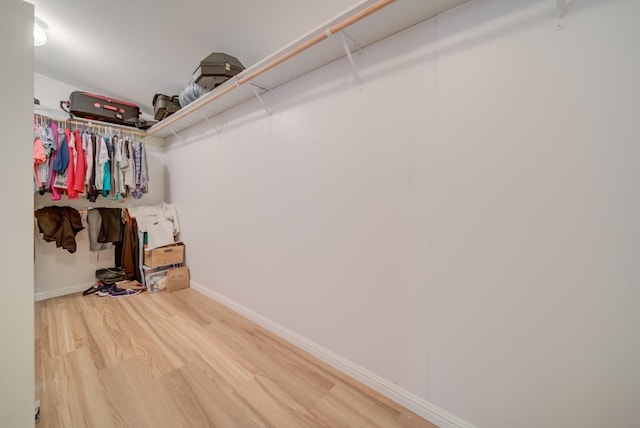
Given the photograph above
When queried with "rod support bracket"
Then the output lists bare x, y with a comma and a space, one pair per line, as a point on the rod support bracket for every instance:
257, 95
352, 63
561, 14
182, 140
204, 116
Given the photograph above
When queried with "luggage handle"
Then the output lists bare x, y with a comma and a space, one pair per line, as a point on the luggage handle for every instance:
109, 100
68, 109
173, 98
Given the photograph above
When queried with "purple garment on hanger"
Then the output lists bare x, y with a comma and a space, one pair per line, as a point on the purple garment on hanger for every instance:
137, 155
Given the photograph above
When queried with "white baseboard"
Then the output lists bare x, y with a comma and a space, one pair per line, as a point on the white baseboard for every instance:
43, 295
401, 396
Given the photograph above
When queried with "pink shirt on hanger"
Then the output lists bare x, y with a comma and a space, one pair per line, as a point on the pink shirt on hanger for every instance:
71, 169
81, 164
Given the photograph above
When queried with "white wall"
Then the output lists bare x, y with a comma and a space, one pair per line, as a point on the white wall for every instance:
58, 272
535, 216
464, 225
17, 383
51, 91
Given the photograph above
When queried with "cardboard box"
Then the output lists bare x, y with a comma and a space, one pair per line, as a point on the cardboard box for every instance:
178, 278
162, 256
166, 278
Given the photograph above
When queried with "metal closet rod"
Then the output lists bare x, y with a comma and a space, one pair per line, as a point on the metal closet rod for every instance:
98, 124
279, 60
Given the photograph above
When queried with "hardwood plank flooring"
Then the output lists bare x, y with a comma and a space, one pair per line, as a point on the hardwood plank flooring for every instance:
183, 360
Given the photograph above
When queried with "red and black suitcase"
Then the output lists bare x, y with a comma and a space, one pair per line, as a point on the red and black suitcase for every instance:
98, 107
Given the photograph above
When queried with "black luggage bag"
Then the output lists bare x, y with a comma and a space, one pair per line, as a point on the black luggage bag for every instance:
164, 105
216, 69
97, 107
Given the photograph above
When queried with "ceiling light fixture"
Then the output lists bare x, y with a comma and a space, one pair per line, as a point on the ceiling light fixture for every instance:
39, 32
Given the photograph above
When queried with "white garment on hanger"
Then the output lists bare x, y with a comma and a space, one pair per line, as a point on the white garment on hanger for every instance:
103, 158
88, 150
159, 221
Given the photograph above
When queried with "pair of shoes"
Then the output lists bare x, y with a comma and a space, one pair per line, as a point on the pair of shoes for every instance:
105, 289
98, 287
91, 290
118, 292
113, 291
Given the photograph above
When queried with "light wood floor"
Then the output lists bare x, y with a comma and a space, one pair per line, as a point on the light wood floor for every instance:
182, 360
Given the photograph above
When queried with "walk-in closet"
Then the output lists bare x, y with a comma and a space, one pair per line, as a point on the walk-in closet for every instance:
347, 213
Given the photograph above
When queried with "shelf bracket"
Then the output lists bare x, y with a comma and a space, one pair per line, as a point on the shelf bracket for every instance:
357, 45
182, 140
205, 116
561, 14
253, 89
352, 63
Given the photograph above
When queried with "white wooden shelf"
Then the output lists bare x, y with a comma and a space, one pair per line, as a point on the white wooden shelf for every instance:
388, 20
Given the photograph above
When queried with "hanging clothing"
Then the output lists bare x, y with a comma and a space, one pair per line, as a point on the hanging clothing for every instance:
92, 191
111, 229
94, 220
119, 177
61, 161
101, 159
160, 222
87, 146
137, 162
60, 224
127, 165
71, 170
144, 170
78, 162
39, 158
81, 164
61, 165
131, 249
46, 137
112, 159
56, 195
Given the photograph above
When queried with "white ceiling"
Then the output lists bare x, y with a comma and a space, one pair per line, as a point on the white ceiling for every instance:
132, 49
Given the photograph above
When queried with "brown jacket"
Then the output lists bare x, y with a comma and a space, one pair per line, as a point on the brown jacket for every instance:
60, 224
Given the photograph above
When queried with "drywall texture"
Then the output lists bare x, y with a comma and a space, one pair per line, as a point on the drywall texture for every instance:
464, 224
17, 383
57, 272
